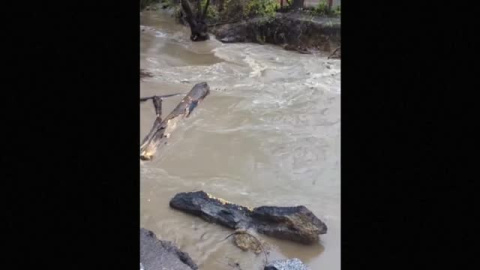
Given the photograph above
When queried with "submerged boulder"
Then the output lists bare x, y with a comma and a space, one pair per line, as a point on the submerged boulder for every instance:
156, 254
290, 223
145, 74
292, 264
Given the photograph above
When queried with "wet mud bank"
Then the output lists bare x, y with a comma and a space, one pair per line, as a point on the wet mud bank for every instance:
156, 254
292, 31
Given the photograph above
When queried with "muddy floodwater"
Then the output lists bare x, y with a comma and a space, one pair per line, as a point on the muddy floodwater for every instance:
268, 134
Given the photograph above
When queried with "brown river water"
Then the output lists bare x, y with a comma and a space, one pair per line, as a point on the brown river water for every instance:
268, 134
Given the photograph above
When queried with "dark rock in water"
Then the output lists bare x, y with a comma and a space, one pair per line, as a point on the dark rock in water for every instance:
158, 255
297, 48
246, 240
211, 209
291, 31
293, 264
143, 73
290, 223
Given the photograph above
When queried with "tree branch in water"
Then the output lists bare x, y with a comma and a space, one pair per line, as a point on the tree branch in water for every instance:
161, 129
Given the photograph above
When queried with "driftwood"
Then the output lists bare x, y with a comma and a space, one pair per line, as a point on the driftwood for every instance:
156, 97
336, 54
163, 127
198, 26
156, 254
290, 223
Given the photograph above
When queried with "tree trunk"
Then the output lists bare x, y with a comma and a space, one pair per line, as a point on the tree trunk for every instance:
161, 129
198, 27
220, 5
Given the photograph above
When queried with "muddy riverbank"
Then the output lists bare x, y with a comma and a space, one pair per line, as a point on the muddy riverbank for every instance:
303, 31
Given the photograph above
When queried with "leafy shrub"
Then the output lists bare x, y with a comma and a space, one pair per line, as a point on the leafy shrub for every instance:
322, 8
337, 11
261, 8
212, 12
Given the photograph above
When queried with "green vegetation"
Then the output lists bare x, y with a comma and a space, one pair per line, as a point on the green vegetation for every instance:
322, 9
266, 8
337, 11
230, 10
212, 11
235, 10
222, 11
146, 3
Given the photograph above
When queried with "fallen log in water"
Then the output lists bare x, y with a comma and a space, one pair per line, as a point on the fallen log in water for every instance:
290, 223
156, 254
336, 54
162, 128
155, 97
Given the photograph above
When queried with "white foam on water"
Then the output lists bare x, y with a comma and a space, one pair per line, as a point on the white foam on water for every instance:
160, 34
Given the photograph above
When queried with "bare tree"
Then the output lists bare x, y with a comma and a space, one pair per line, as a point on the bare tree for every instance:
198, 27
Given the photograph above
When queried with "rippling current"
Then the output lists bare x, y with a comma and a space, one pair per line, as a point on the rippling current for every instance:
268, 134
